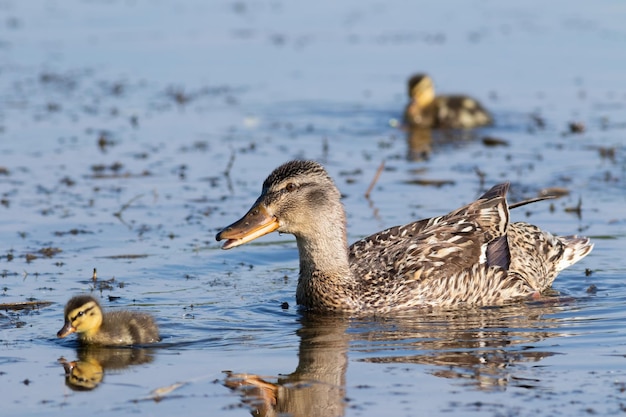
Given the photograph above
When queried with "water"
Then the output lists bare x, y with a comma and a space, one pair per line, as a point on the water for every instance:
131, 132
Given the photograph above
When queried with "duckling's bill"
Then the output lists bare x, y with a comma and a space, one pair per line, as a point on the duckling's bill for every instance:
256, 223
66, 330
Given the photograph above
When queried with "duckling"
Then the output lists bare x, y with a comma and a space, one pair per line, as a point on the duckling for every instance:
84, 316
470, 256
425, 110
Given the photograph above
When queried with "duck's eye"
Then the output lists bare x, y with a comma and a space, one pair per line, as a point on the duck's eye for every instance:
80, 314
291, 187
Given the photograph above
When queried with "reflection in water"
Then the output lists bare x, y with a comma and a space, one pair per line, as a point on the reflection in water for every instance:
420, 144
316, 387
421, 141
479, 347
87, 372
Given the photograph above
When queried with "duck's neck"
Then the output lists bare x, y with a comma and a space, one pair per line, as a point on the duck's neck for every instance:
325, 277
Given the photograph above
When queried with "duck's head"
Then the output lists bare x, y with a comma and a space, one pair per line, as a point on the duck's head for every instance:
82, 315
298, 197
421, 90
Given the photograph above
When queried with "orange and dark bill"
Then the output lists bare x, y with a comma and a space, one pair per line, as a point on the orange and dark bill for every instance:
256, 223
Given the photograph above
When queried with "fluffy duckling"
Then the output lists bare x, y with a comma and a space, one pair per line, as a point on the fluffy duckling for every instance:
425, 110
84, 316
470, 256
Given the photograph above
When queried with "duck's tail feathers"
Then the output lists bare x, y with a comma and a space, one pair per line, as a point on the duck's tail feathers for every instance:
576, 248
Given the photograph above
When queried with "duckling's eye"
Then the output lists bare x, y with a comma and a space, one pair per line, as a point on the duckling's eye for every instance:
80, 314
291, 187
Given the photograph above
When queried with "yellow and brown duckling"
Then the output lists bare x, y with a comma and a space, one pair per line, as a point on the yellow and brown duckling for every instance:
470, 256
426, 110
84, 316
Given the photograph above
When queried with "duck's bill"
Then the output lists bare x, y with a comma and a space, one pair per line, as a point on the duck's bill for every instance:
256, 223
66, 330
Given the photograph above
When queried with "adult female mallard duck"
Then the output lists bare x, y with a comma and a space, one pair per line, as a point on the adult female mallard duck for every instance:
425, 110
470, 256
84, 316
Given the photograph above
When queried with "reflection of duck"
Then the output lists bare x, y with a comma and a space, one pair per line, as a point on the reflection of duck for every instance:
87, 372
84, 316
479, 347
476, 347
425, 110
470, 256
315, 388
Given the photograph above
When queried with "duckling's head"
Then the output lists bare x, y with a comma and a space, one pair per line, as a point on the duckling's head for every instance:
421, 90
82, 315
299, 198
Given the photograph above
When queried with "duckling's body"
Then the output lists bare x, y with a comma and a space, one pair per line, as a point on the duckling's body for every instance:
471, 256
426, 110
84, 316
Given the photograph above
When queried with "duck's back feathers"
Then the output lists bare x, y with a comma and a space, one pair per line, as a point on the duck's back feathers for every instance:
126, 328
430, 249
472, 255
459, 112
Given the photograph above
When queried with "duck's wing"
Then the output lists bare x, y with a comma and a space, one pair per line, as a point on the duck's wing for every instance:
437, 247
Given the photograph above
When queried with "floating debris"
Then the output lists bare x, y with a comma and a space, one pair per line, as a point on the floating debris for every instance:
430, 183
25, 305
577, 209
49, 252
380, 169
576, 127
607, 153
73, 232
493, 141
105, 142
129, 256
555, 192
538, 121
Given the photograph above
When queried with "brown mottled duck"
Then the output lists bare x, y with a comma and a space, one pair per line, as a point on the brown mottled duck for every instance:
426, 110
470, 256
84, 316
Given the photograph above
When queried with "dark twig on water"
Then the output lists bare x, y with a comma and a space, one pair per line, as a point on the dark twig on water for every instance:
325, 150
118, 214
481, 176
375, 179
229, 166
576, 209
